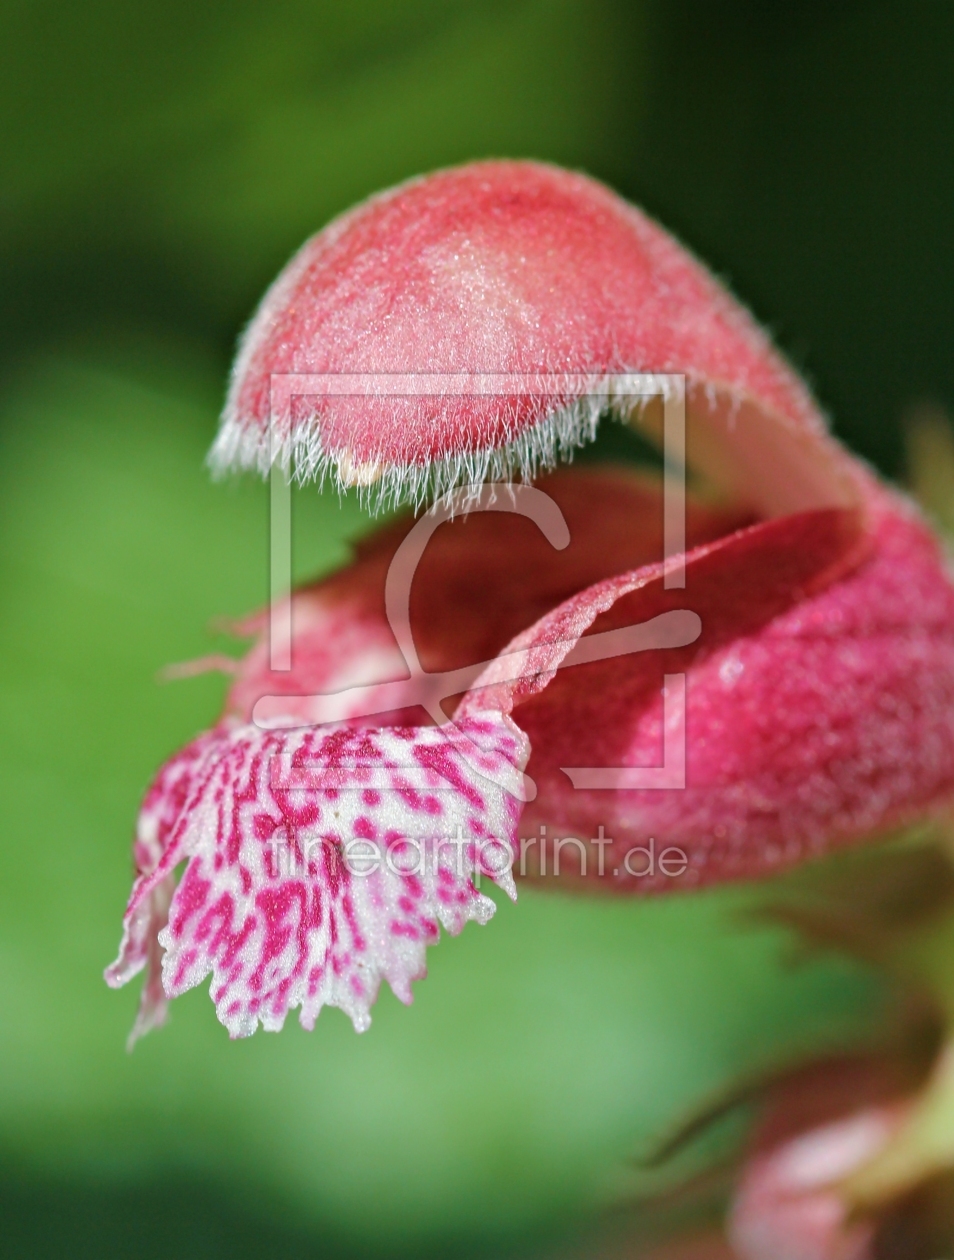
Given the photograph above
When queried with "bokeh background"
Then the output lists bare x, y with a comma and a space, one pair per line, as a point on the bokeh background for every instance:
158, 164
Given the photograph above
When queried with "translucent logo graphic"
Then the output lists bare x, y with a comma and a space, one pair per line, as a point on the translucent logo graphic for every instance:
430, 690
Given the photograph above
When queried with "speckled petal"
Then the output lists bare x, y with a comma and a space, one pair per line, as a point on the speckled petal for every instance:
322, 861
168, 795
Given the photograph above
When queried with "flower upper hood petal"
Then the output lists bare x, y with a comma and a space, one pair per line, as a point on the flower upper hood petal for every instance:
405, 311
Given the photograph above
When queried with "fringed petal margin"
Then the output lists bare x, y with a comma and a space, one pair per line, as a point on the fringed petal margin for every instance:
320, 861
148, 910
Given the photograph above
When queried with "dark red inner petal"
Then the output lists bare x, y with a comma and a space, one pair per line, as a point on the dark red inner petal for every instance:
819, 706
481, 581
734, 585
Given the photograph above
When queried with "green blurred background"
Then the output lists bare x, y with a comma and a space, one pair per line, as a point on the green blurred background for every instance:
159, 164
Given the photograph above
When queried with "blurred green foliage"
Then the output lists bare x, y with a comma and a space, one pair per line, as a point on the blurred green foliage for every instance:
163, 160
159, 163
807, 153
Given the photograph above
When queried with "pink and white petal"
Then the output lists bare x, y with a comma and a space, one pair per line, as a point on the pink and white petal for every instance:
153, 1007
322, 861
154, 847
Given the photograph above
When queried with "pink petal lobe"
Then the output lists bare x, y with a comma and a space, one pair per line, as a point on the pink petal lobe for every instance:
822, 1126
785, 1210
508, 268
320, 862
480, 582
156, 850
819, 710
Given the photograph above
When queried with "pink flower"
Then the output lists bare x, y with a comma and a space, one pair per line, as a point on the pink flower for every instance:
815, 631
840, 1149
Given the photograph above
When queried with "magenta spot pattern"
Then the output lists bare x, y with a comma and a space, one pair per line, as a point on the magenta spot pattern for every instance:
318, 862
